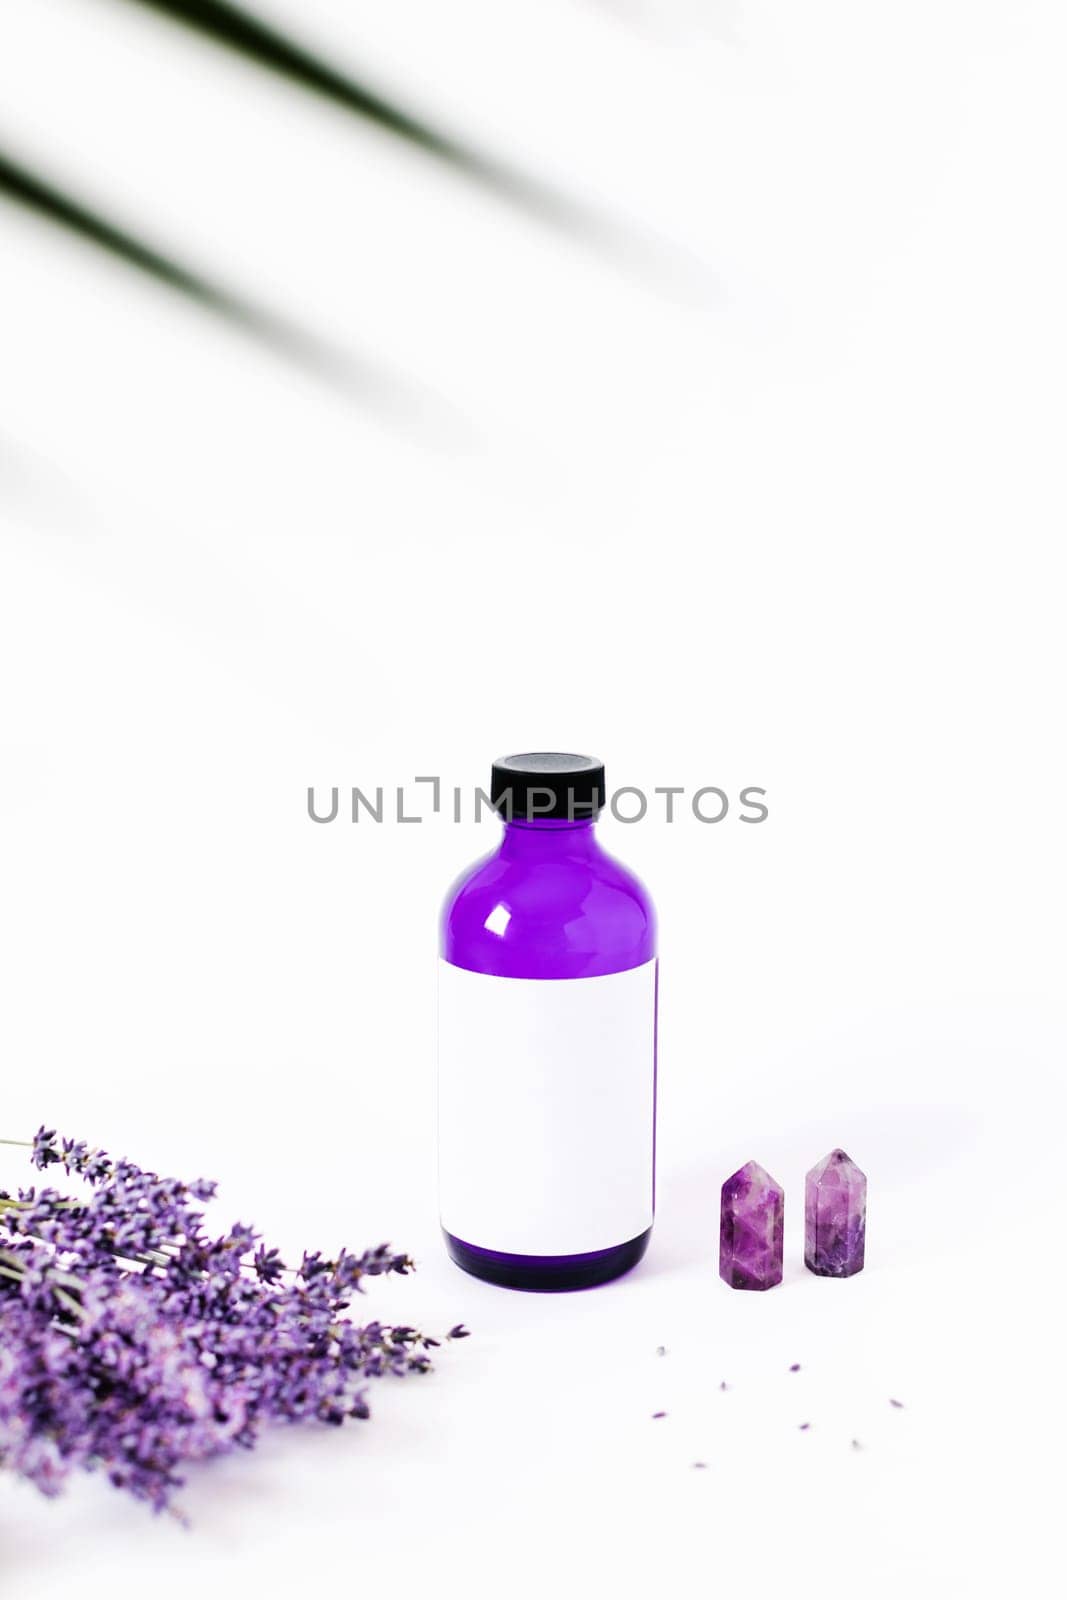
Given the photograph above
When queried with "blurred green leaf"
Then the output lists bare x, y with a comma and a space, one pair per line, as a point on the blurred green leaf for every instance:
240, 30
37, 194
243, 32
32, 190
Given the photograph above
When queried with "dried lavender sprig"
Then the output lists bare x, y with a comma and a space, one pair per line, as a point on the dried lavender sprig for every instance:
133, 1342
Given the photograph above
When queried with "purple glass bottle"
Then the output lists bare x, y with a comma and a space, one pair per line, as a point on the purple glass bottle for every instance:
547, 1042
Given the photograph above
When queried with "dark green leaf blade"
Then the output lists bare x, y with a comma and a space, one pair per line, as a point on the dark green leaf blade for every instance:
27, 188
241, 31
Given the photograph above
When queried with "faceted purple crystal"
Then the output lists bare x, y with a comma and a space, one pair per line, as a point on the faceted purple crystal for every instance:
750, 1229
835, 1217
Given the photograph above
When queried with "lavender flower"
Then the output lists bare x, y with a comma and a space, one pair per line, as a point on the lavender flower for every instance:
133, 1342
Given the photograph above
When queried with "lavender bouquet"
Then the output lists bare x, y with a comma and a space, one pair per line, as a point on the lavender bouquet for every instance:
134, 1343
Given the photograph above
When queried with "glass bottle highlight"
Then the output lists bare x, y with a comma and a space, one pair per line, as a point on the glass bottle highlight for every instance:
547, 1042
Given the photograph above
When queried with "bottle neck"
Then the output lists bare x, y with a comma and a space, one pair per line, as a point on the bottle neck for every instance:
548, 836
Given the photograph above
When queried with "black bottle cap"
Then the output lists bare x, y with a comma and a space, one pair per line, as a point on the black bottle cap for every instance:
546, 783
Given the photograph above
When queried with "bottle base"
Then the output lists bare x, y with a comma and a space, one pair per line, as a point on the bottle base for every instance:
547, 1274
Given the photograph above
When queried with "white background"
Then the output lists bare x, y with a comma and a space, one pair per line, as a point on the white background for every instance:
784, 509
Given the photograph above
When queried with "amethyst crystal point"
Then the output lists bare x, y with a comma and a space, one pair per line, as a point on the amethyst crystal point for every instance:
750, 1229
835, 1217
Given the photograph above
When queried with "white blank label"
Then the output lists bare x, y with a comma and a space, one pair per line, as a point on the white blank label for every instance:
546, 1109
